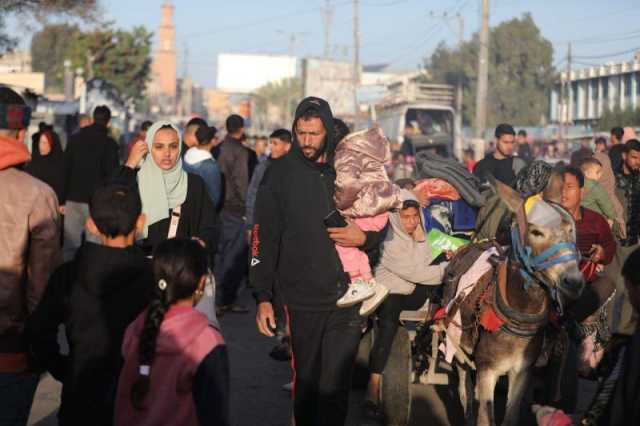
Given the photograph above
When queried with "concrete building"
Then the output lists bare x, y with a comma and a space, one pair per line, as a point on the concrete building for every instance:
16, 61
33, 81
594, 90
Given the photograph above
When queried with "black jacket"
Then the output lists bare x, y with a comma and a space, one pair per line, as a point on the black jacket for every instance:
95, 296
198, 216
289, 238
91, 156
234, 166
615, 155
503, 170
628, 187
49, 168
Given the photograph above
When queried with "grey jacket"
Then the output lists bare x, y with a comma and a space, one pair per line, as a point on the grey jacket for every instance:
405, 259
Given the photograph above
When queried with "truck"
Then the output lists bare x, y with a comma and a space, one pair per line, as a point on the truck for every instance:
417, 116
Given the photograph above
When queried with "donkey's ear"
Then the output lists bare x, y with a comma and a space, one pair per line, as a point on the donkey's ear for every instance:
511, 198
553, 191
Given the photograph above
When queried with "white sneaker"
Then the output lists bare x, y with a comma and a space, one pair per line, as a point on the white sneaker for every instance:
358, 291
288, 387
372, 303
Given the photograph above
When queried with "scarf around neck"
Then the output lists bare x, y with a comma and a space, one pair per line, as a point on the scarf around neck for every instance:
160, 190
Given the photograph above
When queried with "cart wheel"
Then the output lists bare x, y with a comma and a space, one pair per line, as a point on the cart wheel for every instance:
396, 381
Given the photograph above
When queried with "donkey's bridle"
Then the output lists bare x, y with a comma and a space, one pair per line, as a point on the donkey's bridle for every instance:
531, 266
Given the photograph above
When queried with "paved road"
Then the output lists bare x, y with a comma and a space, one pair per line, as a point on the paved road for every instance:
256, 385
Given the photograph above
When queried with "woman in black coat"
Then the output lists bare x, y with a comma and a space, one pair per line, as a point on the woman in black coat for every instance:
47, 162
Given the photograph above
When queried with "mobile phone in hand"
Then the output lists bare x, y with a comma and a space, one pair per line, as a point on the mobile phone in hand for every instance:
335, 220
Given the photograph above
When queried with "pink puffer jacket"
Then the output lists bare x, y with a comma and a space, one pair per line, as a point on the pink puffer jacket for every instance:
363, 188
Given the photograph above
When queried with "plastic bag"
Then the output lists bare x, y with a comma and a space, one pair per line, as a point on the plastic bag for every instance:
440, 242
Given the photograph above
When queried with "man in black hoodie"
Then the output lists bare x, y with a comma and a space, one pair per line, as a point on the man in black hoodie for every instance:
95, 296
291, 242
91, 157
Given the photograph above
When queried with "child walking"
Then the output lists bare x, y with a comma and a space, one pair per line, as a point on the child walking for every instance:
176, 370
95, 296
365, 194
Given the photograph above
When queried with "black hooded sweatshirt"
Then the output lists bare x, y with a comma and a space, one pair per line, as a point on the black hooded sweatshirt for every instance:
95, 296
289, 238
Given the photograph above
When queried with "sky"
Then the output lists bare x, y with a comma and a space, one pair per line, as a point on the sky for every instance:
398, 32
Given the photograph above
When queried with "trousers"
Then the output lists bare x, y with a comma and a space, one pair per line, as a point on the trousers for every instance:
389, 320
324, 346
232, 262
16, 396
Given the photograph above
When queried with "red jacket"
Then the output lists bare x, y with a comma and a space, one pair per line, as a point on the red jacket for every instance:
591, 229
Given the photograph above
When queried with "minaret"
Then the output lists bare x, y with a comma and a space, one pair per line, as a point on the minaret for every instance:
165, 61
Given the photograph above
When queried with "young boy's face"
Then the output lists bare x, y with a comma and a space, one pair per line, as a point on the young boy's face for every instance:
279, 147
593, 172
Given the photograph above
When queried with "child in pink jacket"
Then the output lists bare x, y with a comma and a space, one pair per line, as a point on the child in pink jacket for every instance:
365, 194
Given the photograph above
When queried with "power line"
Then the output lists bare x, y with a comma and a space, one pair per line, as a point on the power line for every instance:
263, 21
609, 55
430, 35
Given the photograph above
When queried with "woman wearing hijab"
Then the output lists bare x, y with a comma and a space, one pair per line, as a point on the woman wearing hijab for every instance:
47, 162
170, 196
406, 270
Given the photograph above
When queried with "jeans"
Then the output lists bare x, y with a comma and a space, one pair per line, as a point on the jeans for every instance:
324, 346
232, 262
16, 396
75, 218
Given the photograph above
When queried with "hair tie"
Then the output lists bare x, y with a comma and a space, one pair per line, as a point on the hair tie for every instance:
144, 370
162, 285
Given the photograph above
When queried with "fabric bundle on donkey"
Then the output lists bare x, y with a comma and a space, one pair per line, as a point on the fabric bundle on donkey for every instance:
503, 317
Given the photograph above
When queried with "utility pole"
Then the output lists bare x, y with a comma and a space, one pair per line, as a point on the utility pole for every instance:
568, 94
292, 45
457, 140
483, 73
457, 144
327, 17
356, 58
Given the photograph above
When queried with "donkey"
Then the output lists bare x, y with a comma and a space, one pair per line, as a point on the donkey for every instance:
541, 273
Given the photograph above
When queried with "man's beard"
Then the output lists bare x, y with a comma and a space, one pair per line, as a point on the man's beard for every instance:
313, 154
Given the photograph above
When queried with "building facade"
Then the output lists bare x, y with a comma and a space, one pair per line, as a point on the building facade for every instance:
591, 91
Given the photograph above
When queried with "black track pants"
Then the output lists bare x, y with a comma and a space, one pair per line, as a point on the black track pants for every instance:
324, 345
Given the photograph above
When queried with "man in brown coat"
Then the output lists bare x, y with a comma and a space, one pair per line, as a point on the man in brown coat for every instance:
29, 250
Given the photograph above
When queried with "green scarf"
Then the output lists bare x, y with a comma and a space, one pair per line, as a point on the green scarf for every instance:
160, 190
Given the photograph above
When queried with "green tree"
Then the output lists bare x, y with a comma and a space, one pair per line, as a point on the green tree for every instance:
50, 47
520, 72
123, 58
277, 95
39, 10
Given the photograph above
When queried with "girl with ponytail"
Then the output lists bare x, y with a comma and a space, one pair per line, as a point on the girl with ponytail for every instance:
175, 365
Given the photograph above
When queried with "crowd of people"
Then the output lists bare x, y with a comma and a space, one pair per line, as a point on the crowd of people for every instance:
124, 255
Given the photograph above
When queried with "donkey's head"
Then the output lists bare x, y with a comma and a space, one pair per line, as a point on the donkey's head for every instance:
543, 242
